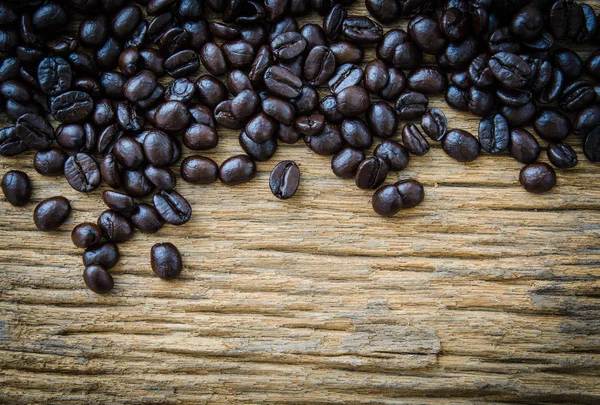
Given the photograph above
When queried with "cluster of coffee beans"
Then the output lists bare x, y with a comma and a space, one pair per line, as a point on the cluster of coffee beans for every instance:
119, 123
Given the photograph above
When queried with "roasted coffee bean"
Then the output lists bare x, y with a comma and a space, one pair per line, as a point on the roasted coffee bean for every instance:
287, 134
561, 155
553, 89
310, 125
202, 115
237, 170
319, 66
434, 124
346, 52
568, 62
182, 63
328, 142
107, 56
314, 36
261, 128
51, 213
479, 71
113, 84
411, 105
361, 30
54, 75
501, 40
494, 134
152, 61
356, 133
552, 125
284, 179
457, 98
135, 184
50, 162
592, 65
182, 90
238, 81
165, 260
352, 101
97, 279
93, 30
577, 96
390, 199
537, 177
125, 21
71, 106
158, 148
295, 65
103, 254
172, 207
528, 23
382, 119
119, 202
565, 19
413, 140
16, 90
109, 169
461, 145
345, 76
103, 113
461, 80
591, 145
14, 109
86, 234
146, 219
510, 70
345, 163
480, 101
200, 137
210, 91
224, 116
513, 98
213, 59
279, 109
174, 40
162, 178
371, 173
376, 76
458, 55
328, 107
238, 54
586, 120
35, 131
247, 103
425, 32
16, 187
454, 23
199, 170
333, 22
258, 151
260, 64
393, 154
519, 116
10, 143
140, 87
427, 80
87, 85
199, 33
288, 45
172, 116
115, 227
129, 117
82, 172
392, 40
223, 31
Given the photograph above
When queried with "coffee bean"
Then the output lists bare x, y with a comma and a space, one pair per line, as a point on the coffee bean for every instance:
97, 279
537, 177
345, 163
577, 96
333, 22
427, 80
494, 134
129, 117
16, 90
288, 45
458, 55
258, 151
82, 172
103, 254
172, 207
114, 226
50, 162
371, 173
326, 143
382, 119
434, 124
210, 91
510, 70
35, 131
393, 154
71, 106
390, 199
16, 187
319, 65
425, 32
361, 30
413, 140
461, 145
287, 134
279, 109
568, 62
345, 76
165, 260
119, 202
10, 143
310, 125
109, 169
213, 59
411, 105
586, 120
146, 219
247, 102
328, 107
158, 148
108, 138
200, 137
199, 170
346, 52
284, 179
512, 97
93, 30
86, 234
356, 133
260, 64
103, 113
172, 116
237, 170
238, 81
238, 54
136, 185
591, 145
314, 36
129, 153
480, 101
561, 155
51, 213
552, 125
182, 63
162, 178
352, 101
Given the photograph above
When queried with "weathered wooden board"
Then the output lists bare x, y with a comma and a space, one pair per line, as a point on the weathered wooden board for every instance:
482, 294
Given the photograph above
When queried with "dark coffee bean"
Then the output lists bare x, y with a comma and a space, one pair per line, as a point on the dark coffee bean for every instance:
425, 32
592, 65
223, 31
93, 31
494, 134
136, 185
371, 173
288, 45
113, 84
245, 104
346, 52
319, 65
87, 85
528, 23
434, 124
561, 155
284, 179
174, 40
382, 119
109, 169
479, 71
314, 36
182, 63
82, 172
255, 35
119, 202
310, 125
155, 7
541, 73
501, 40
391, 41
16, 187
104, 254
146, 219
457, 98
202, 115
213, 59
51, 213
224, 116
328, 142
454, 23
279, 109
568, 62
458, 55
86, 234
172, 116
260, 64
553, 89
10, 143
14, 109
376, 76
107, 56
129, 117
237, 170
115, 227
35, 131
199, 170
103, 113
345, 163
480, 101
427, 80
333, 22
510, 70
586, 120
125, 21
345, 76
390, 199
411, 105
352, 101
258, 151
54, 75
238, 81
238, 54
130, 61
552, 125
152, 61
413, 140
71, 106
140, 87
461, 80
565, 19
158, 148
461, 145
577, 96
50, 162
356, 133
97, 279
512, 97
172, 207
199, 33
166, 261
261, 128
9, 39
328, 107
16, 90
287, 134
361, 30
162, 178
591, 145
200, 137
519, 116
393, 154
91, 138
210, 91
537, 177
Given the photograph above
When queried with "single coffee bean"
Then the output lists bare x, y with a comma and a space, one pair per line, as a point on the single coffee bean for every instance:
51, 213
115, 227
537, 177
181, 89
425, 32
371, 173
260, 64
50, 162
310, 125
586, 120
202, 115
577, 96
333, 22
519, 116
237, 170
162, 178
345, 76
108, 138
390, 199
411, 105
71, 106
376, 76
523, 146
591, 145
279, 109
510, 70
210, 91
346, 52
382, 119
479, 71
213, 59
103, 254
512, 97
107, 56
247, 103
461, 145
97, 279
319, 65
86, 234
568, 62
356, 133
345, 163
561, 155
54, 75
109, 169
434, 124
528, 23
223, 31
288, 45
10, 143
480, 101
93, 31
458, 55
146, 219
413, 140
119, 202
287, 134
239, 54
165, 260
353, 101
174, 40
172, 207
158, 148
135, 184
200, 137
199, 170
82, 172
129, 153
182, 63
427, 80
35, 131
328, 142
258, 151
314, 35
494, 134
103, 113
552, 125
328, 107
361, 30
261, 128
393, 154
16, 187
284, 179
172, 116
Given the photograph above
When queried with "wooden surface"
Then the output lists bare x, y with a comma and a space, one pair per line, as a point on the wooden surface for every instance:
482, 294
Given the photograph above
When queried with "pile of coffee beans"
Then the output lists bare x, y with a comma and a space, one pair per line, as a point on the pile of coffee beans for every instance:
108, 90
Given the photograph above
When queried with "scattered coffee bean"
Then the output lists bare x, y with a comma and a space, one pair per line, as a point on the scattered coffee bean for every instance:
82, 172
393, 154
562, 155
237, 170
165, 260
414, 141
16, 187
537, 177
103, 254
434, 124
86, 234
51, 213
371, 173
115, 227
172, 207
199, 170
523, 146
461, 145
97, 279
494, 134
390, 199
147, 219
284, 179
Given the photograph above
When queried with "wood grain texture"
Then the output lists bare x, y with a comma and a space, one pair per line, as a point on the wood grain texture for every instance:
482, 294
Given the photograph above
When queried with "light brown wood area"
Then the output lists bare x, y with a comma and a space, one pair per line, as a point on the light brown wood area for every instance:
482, 294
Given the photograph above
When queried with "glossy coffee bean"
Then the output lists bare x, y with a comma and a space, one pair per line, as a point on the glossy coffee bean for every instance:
237, 170
279, 109
54, 75
552, 125
513, 98
238, 81
458, 55
71, 106
162, 178
129, 153
51, 213
182, 90
319, 65
146, 219
393, 154
413, 140
158, 148
172, 207
182, 63
568, 62
537, 177
213, 59
371, 173
119, 202
115, 227
494, 133
50, 162
382, 119
361, 30
480, 101
210, 91
172, 116
353, 101
135, 184
577, 96
519, 116
586, 120
103, 254
258, 151
425, 32
199, 170
326, 143
434, 124
165, 260
510, 70
390, 199
16, 187
346, 52
591, 145
109, 169
288, 45
344, 163
200, 137
35, 131
284, 179
461, 145
411, 105
523, 146
310, 125
97, 279
10, 143
345, 76
427, 80
86, 234
561, 155
238, 54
